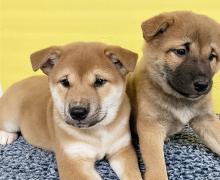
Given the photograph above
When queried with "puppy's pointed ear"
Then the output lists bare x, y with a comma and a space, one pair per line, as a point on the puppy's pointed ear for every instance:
45, 59
123, 59
156, 25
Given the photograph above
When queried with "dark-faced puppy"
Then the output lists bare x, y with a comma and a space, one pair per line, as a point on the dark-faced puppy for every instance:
82, 115
171, 85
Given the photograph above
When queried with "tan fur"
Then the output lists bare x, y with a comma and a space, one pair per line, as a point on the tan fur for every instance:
38, 110
158, 110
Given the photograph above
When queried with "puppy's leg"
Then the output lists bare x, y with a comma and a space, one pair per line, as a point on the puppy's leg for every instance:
8, 129
151, 139
8, 121
76, 168
208, 128
125, 164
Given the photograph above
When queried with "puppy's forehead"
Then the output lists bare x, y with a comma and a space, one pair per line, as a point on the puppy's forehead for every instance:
84, 58
196, 27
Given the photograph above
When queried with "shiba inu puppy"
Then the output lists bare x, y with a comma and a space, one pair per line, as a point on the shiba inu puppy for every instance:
80, 110
171, 84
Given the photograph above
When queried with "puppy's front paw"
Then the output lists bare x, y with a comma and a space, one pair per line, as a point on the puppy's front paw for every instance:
7, 138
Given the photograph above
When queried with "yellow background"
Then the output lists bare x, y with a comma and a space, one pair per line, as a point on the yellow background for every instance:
29, 25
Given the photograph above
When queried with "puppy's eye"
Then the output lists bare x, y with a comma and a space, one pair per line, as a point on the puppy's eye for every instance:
212, 57
99, 82
65, 83
179, 52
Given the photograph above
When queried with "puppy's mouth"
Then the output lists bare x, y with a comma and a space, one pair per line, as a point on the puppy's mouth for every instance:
193, 95
87, 123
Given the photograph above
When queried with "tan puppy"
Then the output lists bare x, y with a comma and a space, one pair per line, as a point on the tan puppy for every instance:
83, 115
171, 85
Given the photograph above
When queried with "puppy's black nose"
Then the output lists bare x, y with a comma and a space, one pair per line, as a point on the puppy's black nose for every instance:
79, 112
201, 84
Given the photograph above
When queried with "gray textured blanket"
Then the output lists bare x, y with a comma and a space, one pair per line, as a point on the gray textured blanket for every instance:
186, 157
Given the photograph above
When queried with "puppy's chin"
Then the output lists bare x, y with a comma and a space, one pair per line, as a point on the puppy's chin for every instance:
79, 125
85, 124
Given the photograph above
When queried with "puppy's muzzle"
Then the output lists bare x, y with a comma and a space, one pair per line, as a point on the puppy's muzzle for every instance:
192, 78
79, 112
